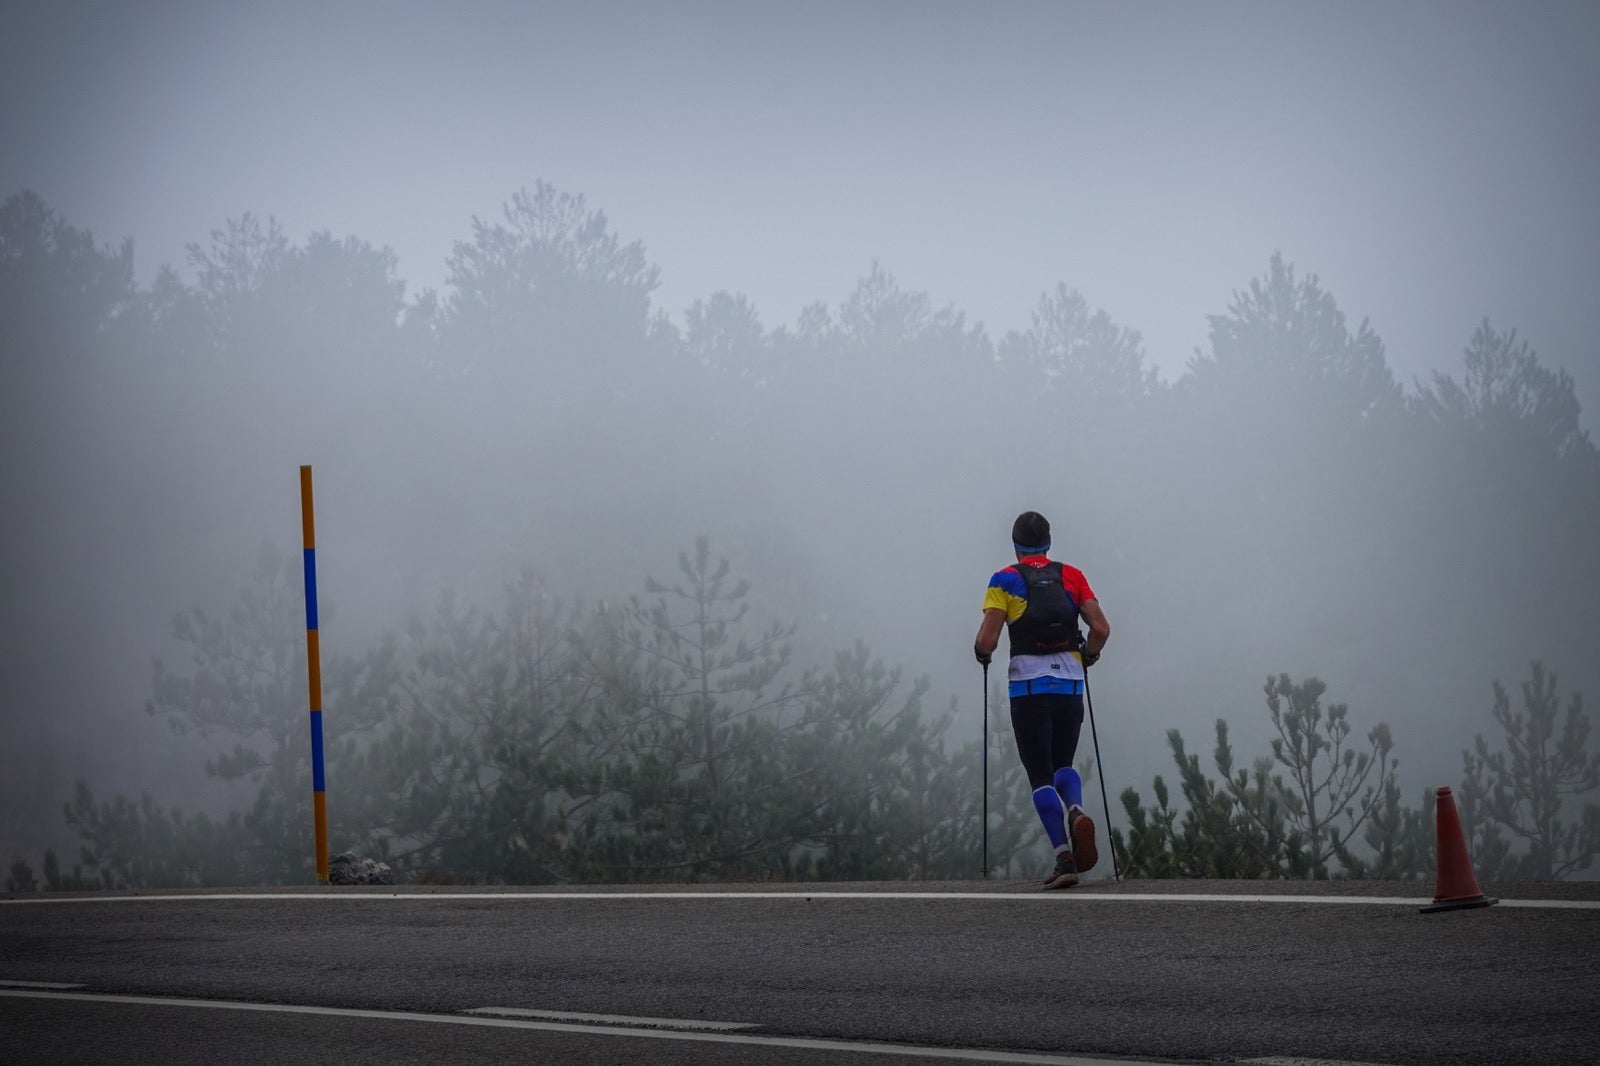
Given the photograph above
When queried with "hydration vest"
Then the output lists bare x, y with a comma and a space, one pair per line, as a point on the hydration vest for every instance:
1050, 621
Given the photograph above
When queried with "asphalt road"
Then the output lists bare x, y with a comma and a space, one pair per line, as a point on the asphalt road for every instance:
981, 967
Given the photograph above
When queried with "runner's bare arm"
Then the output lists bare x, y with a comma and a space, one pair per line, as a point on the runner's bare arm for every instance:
988, 634
1099, 628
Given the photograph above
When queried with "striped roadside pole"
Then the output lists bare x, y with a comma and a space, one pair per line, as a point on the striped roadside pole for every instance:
319, 796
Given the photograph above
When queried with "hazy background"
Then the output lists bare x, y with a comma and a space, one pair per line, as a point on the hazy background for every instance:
1432, 165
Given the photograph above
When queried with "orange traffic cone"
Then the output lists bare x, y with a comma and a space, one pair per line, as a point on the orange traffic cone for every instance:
1456, 887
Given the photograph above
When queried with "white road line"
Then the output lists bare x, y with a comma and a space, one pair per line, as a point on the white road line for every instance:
36, 984
608, 1019
1049, 898
860, 1047
1281, 1060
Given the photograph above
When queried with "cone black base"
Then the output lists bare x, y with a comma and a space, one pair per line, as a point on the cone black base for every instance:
1458, 904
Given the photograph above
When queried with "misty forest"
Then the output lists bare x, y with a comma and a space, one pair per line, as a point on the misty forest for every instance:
618, 592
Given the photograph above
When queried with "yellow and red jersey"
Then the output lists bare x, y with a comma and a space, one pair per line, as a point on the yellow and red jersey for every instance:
1009, 592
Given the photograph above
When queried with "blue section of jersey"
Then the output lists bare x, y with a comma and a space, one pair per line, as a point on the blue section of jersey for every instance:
1010, 581
1039, 686
1070, 785
1054, 816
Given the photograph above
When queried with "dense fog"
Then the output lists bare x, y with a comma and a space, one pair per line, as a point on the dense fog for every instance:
601, 348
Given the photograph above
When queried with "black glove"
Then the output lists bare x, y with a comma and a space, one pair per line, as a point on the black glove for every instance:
1089, 658
983, 657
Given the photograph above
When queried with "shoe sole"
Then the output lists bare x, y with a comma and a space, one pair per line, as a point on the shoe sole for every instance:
1062, 881
1083, 849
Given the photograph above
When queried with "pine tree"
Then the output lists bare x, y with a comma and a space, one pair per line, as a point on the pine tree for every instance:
1528, 787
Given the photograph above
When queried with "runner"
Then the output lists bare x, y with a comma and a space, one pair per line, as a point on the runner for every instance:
1039, 601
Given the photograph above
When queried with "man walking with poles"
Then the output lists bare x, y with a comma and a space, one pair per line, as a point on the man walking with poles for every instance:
1039, 601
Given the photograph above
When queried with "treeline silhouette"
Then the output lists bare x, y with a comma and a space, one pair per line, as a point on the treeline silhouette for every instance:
1285, 501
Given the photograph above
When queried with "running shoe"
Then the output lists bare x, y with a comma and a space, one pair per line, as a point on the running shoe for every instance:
1080, 827
1065, 875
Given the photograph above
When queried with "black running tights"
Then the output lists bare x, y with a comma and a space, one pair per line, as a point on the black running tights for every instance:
1046, 726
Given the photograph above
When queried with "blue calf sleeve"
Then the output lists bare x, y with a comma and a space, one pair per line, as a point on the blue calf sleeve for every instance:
1070, 785
1054, 816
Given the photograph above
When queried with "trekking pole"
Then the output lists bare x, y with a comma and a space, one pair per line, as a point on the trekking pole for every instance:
1100, 772
986, 772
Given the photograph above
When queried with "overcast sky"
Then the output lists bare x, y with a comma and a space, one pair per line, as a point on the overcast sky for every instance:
1432, 163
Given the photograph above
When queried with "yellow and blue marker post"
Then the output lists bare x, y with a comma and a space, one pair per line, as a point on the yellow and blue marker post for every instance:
319, 795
